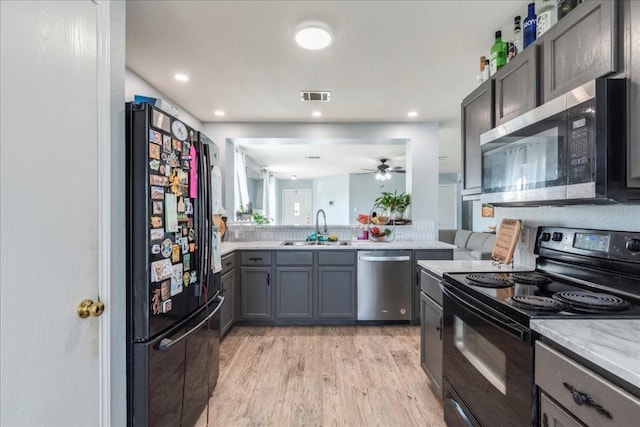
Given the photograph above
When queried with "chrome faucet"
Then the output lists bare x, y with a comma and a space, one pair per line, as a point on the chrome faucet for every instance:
324, 215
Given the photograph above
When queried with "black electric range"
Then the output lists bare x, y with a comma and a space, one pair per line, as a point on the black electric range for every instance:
488, 346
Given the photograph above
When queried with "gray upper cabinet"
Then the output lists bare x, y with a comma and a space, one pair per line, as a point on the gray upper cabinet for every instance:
477, 118
580, 48
255, 293
517, 86
633, 12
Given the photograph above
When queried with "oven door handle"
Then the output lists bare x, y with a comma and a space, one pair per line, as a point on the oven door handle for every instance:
501, 324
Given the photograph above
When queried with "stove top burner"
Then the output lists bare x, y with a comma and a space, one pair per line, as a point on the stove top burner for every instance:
530, 278
536, 302
591, 302
488, 281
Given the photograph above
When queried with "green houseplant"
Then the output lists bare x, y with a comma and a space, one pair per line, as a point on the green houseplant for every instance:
394, 202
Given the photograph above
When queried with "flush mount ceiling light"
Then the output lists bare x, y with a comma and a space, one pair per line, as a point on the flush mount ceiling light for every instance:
313, 35
181, 77
412, 114
219, 113
316, 114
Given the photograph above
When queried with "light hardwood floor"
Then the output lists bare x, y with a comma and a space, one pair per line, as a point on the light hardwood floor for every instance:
322, 376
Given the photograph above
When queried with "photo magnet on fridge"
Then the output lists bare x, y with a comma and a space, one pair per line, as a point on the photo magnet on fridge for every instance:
156, 221
175, 253
166, 143
166, 247
158, 180
154, 151
157, 208
186, 261
155, 136
156, 234
176, 279
165, 290
155, 249
157, 193
166, 306
162, 270
177, 145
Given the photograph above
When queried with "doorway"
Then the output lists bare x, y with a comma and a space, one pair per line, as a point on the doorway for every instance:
296, 206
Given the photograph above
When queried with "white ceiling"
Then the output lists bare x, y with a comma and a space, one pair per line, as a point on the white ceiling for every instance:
388, 57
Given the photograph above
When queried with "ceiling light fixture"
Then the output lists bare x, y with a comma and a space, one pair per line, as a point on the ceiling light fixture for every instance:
383, 176
181, 77
219, 113
412, 114
313, 35
316, 114
294, 177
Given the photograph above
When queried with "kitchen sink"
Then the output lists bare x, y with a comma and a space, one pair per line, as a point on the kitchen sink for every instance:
314, 243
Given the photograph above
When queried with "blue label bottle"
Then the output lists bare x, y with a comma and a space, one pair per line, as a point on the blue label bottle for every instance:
529, 27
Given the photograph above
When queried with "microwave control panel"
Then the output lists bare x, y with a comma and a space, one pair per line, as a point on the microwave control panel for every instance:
580, 147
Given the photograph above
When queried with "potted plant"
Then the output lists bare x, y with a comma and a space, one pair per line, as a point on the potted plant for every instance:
394, 202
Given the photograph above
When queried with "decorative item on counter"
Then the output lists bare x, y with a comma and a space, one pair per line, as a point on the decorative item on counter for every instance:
547, 17
506, 240
395, 203
530, 25
380, 216
380, 234
363, 219
498, 54
515, 44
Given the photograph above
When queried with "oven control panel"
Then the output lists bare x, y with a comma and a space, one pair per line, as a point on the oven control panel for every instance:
605, 244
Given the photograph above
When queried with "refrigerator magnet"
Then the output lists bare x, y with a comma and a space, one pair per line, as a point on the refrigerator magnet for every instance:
162, 270
157, 208
166, 143
155, 302
154, 165
156, 221
171, 213
161, 121
188, 208
155, 249
165, 248
186, 278
192, 235
154, 151
186, 261
175, 253
172, 160
165, 290
158, 180
179, 130
166, 306
194, 277
192, 247
177, 145
181, 205
186, 164
162, 169
185, 149
167, 170
157, 193
182, 217
154, 136
156, 234
164, 156
176, 279
183, 177
185, 231
184, 242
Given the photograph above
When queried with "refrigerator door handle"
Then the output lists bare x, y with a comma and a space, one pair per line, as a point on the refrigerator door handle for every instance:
166, 343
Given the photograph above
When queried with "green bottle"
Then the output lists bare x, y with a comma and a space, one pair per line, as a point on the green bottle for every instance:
498, 54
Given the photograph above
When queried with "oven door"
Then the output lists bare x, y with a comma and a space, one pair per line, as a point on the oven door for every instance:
488, 365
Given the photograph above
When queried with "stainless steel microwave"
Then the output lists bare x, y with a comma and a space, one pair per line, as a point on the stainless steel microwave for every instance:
569, 150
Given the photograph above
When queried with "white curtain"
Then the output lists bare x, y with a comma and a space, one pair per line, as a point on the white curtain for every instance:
269, 195
241, 188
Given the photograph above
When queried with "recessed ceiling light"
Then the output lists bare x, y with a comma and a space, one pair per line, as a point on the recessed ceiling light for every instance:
412, 114
294, 177
313, 35
316, 114
219, 113
181, 77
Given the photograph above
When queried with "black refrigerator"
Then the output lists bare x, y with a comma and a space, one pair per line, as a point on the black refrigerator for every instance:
173, 292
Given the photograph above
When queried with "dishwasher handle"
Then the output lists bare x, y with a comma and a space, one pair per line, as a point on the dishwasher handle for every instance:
384, 258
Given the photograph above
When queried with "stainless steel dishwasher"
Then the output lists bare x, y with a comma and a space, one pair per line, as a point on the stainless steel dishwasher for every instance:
384, 285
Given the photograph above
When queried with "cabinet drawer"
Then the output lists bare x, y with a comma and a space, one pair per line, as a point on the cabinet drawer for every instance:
556, 373
337, 257
294, 257
554, 416
228, 263
255, 258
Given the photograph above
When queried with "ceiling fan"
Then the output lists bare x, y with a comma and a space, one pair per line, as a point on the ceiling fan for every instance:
383, 170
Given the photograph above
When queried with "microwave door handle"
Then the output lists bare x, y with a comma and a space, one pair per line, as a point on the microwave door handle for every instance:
166, 343
501, 324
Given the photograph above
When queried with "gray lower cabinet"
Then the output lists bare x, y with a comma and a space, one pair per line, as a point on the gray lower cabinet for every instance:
477, 118
255, 293
294, 292
581, 47
421, 255
227, 311
517, 86
431, 341
336, 292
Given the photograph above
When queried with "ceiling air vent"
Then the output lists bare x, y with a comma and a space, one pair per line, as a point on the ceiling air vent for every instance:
315, 96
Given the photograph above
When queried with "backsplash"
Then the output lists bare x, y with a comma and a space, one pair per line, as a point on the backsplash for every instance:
243, 231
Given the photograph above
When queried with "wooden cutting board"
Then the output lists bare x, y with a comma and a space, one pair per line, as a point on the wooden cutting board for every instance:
506, 240
219, 222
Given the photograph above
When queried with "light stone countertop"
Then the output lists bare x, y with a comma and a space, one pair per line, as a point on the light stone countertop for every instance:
612, 344
467, 266
228, 247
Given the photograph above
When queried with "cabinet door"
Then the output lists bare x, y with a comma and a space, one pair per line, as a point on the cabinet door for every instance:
477, 118
294, 292
255, 293
431, 341
580, 48
634, 94
517, 86
419, 255
227, 310
337, 292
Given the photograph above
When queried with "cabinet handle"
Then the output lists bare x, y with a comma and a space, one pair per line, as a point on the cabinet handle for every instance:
439, 329
418, 279
581, 398
268, 279
255, 259
228, 263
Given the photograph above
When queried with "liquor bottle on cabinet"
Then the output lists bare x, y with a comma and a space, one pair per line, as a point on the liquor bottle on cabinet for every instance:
565, 6
498, 54
515, 44
547, 17
530, 25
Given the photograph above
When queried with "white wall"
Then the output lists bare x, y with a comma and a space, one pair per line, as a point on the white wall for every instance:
365, 189
422, 152
332, 189
136, 85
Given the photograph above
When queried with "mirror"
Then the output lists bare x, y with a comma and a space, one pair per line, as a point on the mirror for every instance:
302, 176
